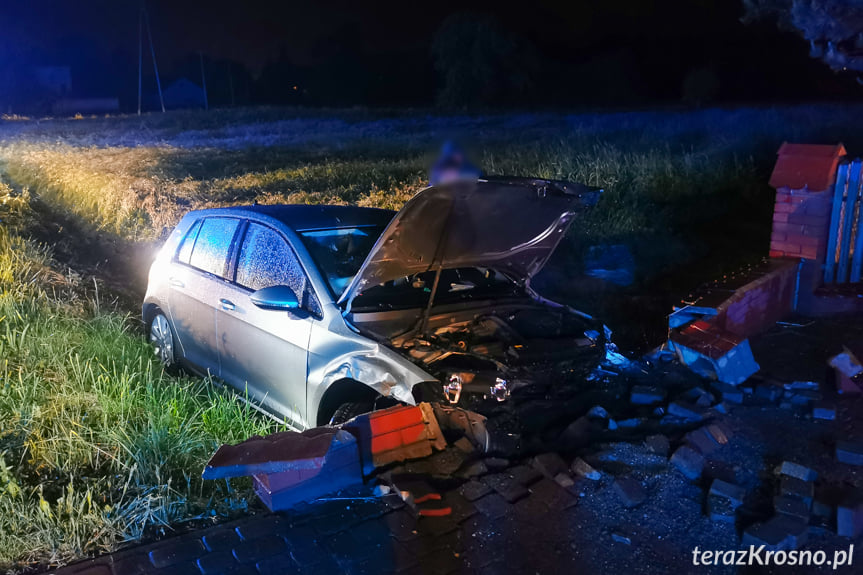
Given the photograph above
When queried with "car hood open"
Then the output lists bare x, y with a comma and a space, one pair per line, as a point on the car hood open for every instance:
511, 225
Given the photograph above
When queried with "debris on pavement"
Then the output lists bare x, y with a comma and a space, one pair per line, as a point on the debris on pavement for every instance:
848, 370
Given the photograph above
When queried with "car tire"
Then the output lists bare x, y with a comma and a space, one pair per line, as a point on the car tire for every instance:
161, 337
347, 411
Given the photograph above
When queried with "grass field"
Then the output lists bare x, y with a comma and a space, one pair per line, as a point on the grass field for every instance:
98, 447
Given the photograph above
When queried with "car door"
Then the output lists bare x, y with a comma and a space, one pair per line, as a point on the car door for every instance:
200, 266
266, 351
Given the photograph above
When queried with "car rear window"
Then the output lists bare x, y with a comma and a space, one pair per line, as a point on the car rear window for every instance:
210, 253
267, 260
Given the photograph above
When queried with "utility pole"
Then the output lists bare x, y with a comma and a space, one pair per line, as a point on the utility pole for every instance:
204, 82
140, 55
153, 53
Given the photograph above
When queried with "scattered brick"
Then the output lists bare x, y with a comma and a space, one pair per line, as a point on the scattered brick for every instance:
658, 444
719, 432
598, 412
524, 474
729, 491
721, 509
630, 491
582, 468
549, 464
473, 490
849, 452
728, 392
492, 506
794, 487
825, 411
768, 392
779, 533
564, 480
849, 519
688, 461
646, 395
620, 538
701, 440
685, 411
506, 486
791, 506
792, 469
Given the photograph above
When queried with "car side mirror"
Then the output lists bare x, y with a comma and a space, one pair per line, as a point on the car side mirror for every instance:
278, 298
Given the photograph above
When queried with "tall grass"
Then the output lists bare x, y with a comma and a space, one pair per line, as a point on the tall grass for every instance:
97, 445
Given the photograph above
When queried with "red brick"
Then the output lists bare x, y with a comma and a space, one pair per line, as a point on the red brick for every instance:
784, 208
788, 228
818, 208
808, 220
783, 197
804, 240
788, 248
780, 217
776, 253
777, 237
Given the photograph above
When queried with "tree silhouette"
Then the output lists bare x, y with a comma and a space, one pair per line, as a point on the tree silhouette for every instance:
834, 28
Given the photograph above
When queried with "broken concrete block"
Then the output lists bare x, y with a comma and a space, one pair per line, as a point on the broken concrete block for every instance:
581, 468
726, 490
621, 538
688, 461
630, 491
849, 452
849, 519
646, 395
728, 392
791, 506
792, 469
471, 424
658, 444
564, 480
825, 411
685, 411
797, 488
714, 353
549, 464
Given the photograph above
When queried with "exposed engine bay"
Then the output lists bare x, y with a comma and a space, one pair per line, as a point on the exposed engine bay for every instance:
490, 351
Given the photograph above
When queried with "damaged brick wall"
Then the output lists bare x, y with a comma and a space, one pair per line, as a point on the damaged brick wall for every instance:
762, 302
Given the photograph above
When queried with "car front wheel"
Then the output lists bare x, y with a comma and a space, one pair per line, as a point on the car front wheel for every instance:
347, 411
162, 340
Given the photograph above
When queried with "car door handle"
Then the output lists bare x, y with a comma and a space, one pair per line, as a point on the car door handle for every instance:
227, 304
176, 283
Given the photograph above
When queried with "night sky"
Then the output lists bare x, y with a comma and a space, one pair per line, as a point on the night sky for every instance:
589, 53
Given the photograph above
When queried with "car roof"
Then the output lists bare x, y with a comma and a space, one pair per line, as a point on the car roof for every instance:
304, 217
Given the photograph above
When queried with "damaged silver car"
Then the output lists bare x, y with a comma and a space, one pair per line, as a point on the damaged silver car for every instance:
320, 313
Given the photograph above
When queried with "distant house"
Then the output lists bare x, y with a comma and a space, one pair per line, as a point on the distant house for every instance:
182, 93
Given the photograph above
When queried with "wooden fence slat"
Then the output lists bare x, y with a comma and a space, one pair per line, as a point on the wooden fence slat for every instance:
838, 194
848, 221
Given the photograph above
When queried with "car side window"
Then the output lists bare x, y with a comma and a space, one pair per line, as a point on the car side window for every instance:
185, 252
267, 260
213, 245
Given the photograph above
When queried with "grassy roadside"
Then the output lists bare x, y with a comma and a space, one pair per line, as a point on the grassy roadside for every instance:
97, 446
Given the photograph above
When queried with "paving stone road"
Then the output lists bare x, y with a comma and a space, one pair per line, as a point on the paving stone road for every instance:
492, 528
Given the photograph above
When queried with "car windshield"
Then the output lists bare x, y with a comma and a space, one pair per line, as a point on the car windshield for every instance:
340, 252
455, 285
